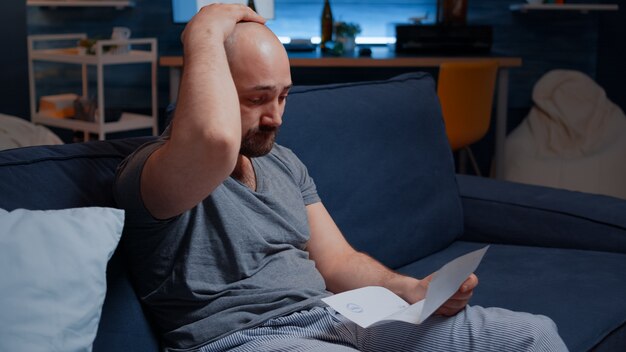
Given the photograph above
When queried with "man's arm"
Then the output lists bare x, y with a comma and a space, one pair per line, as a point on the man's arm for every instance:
206, 132
343, 268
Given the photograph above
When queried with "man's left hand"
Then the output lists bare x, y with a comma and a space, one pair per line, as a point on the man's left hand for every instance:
459, 300
452, 306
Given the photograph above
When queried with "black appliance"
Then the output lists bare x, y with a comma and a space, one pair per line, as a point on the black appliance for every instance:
443, 39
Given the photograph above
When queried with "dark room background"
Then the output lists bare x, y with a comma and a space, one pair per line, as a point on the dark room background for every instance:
591, 43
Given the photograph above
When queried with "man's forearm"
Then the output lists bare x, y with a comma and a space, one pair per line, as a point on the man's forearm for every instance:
357, 270
345, 269
208, 108
206, 132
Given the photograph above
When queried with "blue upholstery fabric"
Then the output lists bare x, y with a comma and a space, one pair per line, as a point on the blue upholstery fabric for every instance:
77, 175
570, 286
379, 156
123, 326
613, 342
65, 176
541, 216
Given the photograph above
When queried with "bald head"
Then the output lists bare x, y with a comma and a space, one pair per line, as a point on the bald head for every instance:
253, 45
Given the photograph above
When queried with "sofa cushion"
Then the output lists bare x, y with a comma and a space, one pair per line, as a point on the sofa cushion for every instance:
582, 291
381, 161
541, 216
52, 265
79, 175
63, 176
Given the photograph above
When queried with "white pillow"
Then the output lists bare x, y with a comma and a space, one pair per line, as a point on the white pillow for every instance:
16, 132
53, 276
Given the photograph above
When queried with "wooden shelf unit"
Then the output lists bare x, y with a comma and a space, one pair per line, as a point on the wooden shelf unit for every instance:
118, 4
72, 55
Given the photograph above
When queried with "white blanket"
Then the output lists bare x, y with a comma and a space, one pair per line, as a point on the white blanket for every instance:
574, 138
16, 132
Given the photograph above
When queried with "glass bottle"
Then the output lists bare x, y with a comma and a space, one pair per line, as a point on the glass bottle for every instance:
452, 12
327, 25
251, 5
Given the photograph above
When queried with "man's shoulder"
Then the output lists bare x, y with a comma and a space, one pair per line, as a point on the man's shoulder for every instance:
284, 154
138, 157
278, 149
286, 160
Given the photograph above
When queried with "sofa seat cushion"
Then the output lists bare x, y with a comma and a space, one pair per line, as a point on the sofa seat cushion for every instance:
382, 165
564, 284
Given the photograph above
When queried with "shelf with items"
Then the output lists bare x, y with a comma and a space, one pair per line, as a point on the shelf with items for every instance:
128, 121
583, 8
119, 4
137, 51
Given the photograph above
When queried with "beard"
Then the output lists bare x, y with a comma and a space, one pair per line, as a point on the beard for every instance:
258, 141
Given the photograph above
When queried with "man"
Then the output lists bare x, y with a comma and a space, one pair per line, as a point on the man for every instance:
229, 244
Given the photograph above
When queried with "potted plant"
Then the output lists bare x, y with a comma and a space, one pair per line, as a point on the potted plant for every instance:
345, 33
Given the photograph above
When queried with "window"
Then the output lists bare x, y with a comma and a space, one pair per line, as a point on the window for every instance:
301, 19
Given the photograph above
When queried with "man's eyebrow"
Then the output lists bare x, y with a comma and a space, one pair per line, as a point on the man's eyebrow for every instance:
271, 88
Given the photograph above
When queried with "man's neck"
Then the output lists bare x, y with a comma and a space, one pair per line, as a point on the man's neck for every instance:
244, 172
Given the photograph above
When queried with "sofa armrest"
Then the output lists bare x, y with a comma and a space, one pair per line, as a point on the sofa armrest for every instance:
518, 214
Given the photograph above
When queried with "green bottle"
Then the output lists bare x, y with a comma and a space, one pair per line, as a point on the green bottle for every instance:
327, 25
251, 5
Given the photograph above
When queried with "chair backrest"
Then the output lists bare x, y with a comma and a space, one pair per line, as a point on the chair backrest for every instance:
465, 90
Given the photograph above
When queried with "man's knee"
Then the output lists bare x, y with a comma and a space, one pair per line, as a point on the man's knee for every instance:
514, 331
529, 332
542, 335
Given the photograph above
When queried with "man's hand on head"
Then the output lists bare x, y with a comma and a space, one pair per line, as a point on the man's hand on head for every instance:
217, 20
207, 128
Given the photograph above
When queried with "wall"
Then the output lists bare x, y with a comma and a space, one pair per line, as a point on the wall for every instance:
612, 55
13, 63
126, 86
545, 41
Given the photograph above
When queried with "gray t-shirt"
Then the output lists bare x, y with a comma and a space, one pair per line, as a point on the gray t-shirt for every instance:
235, 260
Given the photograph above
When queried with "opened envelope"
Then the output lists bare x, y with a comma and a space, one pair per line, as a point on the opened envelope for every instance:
373, 304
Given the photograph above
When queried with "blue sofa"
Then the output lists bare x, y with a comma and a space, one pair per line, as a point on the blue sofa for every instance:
381, 162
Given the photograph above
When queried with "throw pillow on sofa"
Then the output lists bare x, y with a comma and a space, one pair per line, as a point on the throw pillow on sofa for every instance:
53, 276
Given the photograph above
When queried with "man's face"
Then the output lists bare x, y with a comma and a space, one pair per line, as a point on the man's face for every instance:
263, 82
262, 108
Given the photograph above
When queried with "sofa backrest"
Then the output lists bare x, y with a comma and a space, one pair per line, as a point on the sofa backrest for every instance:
377, 151
80, 175
62, 176
381, 162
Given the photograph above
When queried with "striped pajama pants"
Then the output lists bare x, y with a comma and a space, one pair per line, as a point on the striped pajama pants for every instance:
324, 330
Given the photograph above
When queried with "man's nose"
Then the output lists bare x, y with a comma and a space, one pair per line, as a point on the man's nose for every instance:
273, 116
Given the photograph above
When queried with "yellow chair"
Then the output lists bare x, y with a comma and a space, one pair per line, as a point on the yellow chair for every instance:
465, 90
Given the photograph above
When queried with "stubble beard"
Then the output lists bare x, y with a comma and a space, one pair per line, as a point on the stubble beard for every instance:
258, 141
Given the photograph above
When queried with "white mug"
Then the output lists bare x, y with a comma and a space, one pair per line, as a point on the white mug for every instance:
121, 33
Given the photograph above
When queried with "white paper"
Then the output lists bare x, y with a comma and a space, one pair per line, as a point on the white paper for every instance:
373, 304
